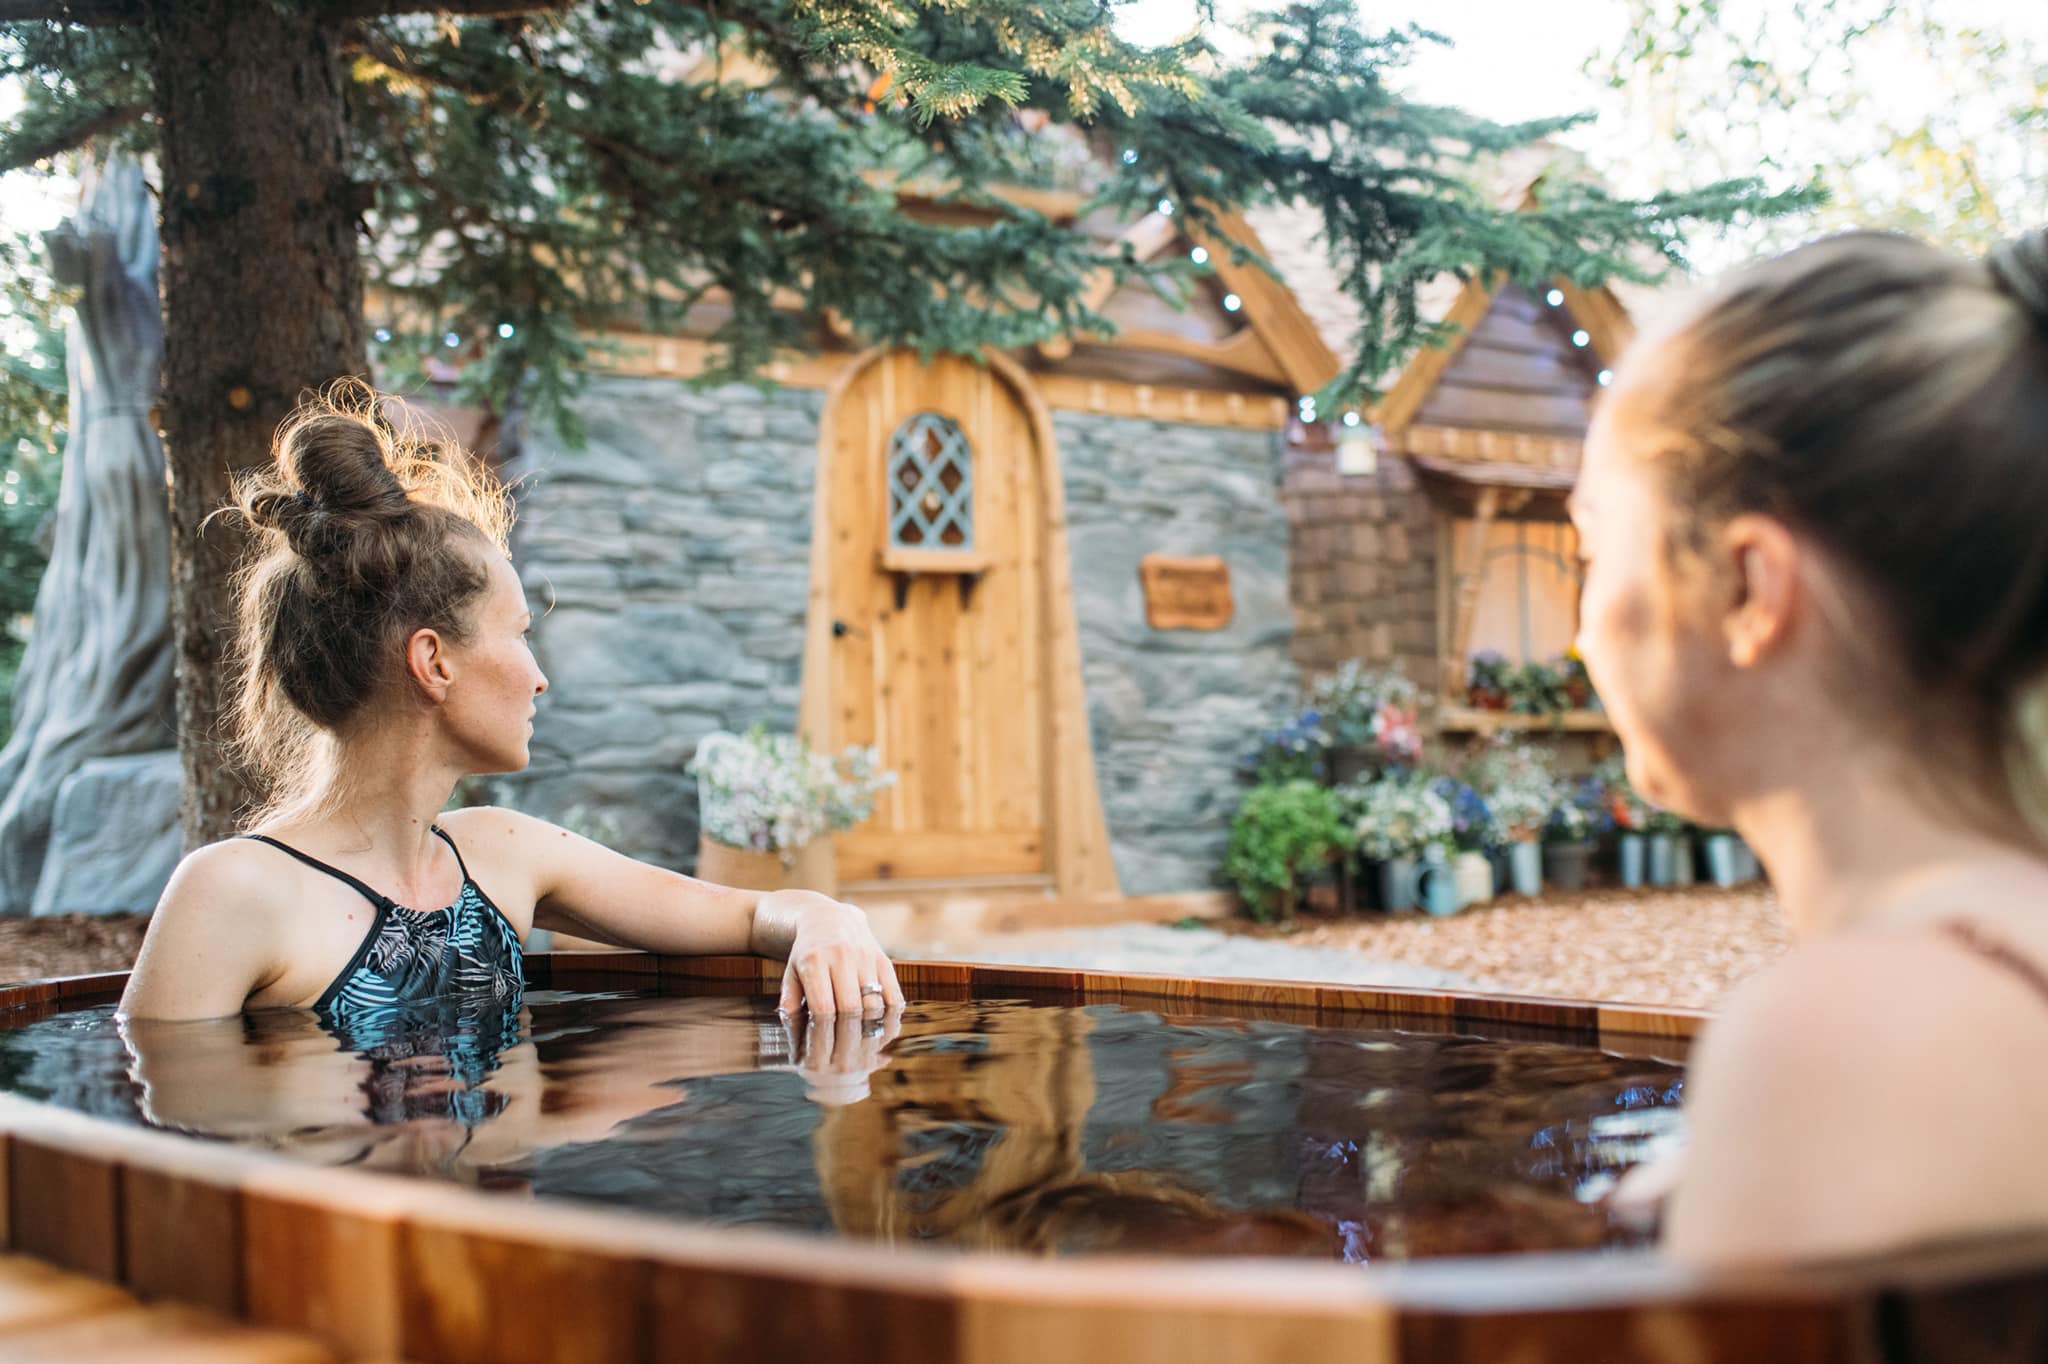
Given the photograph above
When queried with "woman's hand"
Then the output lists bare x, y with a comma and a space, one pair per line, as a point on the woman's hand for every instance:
835, 964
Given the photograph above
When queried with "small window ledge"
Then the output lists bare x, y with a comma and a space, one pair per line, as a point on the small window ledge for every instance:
896, 559
1486, 723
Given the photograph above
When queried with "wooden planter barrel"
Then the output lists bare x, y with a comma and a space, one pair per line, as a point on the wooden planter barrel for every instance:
377, 1266
810, 867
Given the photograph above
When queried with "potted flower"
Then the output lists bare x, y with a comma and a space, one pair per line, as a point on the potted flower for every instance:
1487, 687
1536, 689
1578, 683
1568, 834
767, 804
1402, 820
1472, 834
1372, 718
1517, 784
1630, 814
1284, 835
1296, 751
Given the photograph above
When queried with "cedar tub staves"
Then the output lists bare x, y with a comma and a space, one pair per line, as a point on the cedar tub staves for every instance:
380, 1266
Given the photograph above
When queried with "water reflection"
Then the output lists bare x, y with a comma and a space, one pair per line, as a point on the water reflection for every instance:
980, 1125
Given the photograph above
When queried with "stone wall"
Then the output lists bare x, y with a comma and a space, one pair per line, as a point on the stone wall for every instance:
1170, 712
1364, 556
668, 564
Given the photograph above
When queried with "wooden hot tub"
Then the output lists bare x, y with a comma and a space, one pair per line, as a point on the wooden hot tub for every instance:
384, 1267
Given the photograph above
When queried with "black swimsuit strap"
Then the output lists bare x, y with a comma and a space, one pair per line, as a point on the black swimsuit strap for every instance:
381, 902
457, 851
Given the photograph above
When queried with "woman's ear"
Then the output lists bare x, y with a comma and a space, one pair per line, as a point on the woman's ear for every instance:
428, 663
1765, 562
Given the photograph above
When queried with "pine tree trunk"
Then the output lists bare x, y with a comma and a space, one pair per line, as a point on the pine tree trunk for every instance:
263, 299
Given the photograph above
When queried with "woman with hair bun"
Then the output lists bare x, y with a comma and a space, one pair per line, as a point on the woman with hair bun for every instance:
382, 657
1815, 514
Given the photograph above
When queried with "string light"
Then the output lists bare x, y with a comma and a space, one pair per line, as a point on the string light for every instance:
1166, 207
1130, 156
383, 333
1231, 303
451, 340
1606, 377
1351, 419
505, 330
1580, 337
1555, 298
1200, 255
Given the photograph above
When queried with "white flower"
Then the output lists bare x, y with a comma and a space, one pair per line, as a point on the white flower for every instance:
1399, 816
772, 792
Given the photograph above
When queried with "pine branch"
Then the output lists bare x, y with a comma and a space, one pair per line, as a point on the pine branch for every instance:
454, 9
91, 13
30, 145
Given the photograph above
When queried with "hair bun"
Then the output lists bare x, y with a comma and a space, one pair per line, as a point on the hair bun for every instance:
2020, 268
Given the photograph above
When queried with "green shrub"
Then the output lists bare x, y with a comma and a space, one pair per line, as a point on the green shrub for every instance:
1282, 836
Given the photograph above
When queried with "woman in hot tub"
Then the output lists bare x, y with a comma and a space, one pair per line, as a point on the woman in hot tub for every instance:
382, 657
1815, 512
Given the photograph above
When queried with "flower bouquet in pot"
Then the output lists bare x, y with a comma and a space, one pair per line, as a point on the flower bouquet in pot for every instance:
1536, 689
1473, 832
1296, 751
1630, 815
1486, 686
1400, 822
1576, 819
767, 804
1520, 788
1578, 683
1373, 718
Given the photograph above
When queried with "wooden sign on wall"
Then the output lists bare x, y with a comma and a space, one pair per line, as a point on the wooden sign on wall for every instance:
1186, 594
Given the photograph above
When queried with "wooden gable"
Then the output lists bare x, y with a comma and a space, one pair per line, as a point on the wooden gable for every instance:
1519, 370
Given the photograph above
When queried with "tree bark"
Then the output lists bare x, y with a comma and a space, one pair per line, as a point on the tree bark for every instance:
263, 297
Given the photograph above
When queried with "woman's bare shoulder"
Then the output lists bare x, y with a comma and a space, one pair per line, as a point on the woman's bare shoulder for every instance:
214, 939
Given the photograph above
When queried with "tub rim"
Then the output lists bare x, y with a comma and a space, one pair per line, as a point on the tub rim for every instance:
112, 1183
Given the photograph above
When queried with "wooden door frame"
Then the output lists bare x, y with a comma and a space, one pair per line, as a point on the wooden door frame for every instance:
1077, 846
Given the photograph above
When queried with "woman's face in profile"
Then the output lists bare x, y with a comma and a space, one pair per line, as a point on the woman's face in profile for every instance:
1646, 626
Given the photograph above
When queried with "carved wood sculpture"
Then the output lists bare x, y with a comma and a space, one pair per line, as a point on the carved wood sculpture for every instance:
96, 680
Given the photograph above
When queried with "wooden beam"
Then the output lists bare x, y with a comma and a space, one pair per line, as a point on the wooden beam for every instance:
1244, 352
638, 354
1195, 406
1271, 307
1469, 583
1061, 206
643, 355
1481, 445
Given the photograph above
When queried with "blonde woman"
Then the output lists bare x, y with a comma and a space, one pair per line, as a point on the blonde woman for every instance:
1815, 513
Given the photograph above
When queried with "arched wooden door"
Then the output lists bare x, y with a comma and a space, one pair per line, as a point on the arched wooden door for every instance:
936, 646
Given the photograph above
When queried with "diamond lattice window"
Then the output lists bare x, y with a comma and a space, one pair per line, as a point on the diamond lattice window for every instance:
931, 485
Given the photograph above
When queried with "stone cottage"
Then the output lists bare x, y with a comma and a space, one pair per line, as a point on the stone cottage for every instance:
1061, 591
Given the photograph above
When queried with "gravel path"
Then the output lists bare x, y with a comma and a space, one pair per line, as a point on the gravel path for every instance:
1160, 950
1675, 947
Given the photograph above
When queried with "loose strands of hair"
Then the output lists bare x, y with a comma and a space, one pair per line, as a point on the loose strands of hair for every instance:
362, 535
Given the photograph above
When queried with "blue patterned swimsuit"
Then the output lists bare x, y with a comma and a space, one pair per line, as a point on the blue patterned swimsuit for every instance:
467, 954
